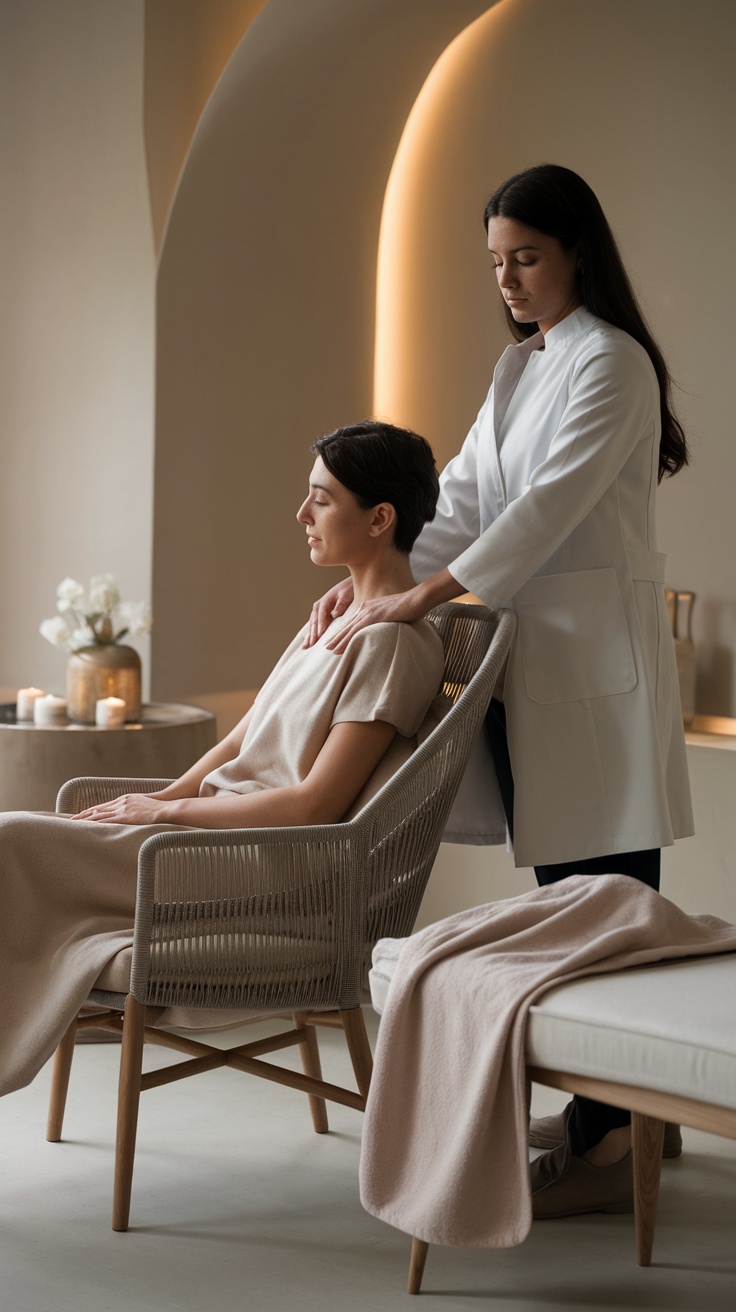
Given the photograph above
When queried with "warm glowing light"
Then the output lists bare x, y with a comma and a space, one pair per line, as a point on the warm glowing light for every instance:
394, 280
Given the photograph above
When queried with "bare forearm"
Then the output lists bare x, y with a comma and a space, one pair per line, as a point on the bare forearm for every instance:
187, 786
346, 761
436, 589
267, 807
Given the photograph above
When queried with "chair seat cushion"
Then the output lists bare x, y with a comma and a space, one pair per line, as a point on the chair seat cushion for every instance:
385, 955
667, 1027
263, 958
115, 977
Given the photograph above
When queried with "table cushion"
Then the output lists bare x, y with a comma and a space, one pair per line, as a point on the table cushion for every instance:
669, 1027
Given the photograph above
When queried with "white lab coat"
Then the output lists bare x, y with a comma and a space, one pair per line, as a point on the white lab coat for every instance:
560, 527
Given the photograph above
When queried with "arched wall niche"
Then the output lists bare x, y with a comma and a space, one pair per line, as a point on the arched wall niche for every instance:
266, 316
639, 99
187, 44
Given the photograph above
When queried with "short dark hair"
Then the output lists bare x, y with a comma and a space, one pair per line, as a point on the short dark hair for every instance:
558, 202
379, 462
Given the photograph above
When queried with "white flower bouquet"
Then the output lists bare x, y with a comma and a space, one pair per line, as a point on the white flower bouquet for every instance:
95, 617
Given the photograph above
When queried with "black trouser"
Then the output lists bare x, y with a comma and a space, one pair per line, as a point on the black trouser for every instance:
590, 1120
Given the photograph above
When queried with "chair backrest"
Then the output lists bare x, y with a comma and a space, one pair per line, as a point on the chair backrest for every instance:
466, 632
406, 819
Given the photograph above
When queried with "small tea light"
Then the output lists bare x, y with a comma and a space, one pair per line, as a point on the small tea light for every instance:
110, 713
27, 698
49, 710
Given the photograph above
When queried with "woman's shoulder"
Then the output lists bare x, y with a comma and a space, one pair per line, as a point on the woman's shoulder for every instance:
419, 638
397, 651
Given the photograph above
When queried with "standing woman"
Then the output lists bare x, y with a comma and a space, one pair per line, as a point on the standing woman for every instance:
549, 508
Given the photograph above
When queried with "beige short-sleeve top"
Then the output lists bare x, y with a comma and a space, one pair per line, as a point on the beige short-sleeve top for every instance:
388, 672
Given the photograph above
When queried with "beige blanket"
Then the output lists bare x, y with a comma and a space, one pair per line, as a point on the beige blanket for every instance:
445, 1141
67, 900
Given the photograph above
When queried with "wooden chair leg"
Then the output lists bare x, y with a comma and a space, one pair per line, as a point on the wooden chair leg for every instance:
647, 1135
129, 1092
417, 1260
60, 1083
311, 1065
358, 1047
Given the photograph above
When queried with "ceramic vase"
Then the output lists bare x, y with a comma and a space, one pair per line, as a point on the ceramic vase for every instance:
680, 609
103, 670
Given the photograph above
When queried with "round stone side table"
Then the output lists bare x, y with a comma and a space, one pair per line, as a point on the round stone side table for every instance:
35, 761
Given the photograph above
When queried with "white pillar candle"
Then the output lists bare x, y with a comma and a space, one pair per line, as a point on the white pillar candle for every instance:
110, 713
49, 711
25, 703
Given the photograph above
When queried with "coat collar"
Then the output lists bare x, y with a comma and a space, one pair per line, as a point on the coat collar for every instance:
511, 365
573, 325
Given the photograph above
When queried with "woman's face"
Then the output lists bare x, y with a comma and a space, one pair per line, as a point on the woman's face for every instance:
536, 275
339, 531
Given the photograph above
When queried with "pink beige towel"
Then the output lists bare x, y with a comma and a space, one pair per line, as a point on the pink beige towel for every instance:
445, 1141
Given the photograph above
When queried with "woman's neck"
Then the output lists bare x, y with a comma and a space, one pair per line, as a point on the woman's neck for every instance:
382, 577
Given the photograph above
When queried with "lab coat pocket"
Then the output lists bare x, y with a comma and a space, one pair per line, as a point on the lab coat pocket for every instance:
574, 638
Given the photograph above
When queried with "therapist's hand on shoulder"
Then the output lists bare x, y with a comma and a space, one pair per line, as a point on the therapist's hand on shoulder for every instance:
401, 606
329, 607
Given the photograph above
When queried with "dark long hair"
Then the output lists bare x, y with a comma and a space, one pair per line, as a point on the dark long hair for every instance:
556, 201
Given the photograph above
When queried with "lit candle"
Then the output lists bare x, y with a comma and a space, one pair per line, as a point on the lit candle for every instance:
110, 713
25, 703
49, 711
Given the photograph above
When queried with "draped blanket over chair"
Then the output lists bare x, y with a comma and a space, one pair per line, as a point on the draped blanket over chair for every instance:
281, 920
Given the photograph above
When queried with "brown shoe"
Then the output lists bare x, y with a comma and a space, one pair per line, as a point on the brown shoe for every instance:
549, 1132
563, 1185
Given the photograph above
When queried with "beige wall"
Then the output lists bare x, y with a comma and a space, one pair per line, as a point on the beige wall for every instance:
76, 316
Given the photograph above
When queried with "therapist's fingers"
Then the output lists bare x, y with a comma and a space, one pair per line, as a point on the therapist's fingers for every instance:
339, 643
400, 607
329, 607
315, 624
342, 597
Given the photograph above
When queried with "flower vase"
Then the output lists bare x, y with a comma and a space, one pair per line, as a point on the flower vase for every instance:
103, 670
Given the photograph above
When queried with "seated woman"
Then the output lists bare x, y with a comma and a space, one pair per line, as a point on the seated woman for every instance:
301, 755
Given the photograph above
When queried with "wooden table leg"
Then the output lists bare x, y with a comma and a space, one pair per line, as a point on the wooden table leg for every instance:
417, 1260
647, 1135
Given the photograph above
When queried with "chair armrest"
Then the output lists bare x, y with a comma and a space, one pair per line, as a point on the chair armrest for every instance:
77, 794
244, 917
208, 865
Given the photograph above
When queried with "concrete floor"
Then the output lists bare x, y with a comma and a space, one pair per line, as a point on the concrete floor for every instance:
237, 1204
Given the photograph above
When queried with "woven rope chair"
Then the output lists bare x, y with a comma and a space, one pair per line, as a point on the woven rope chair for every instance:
280, 920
